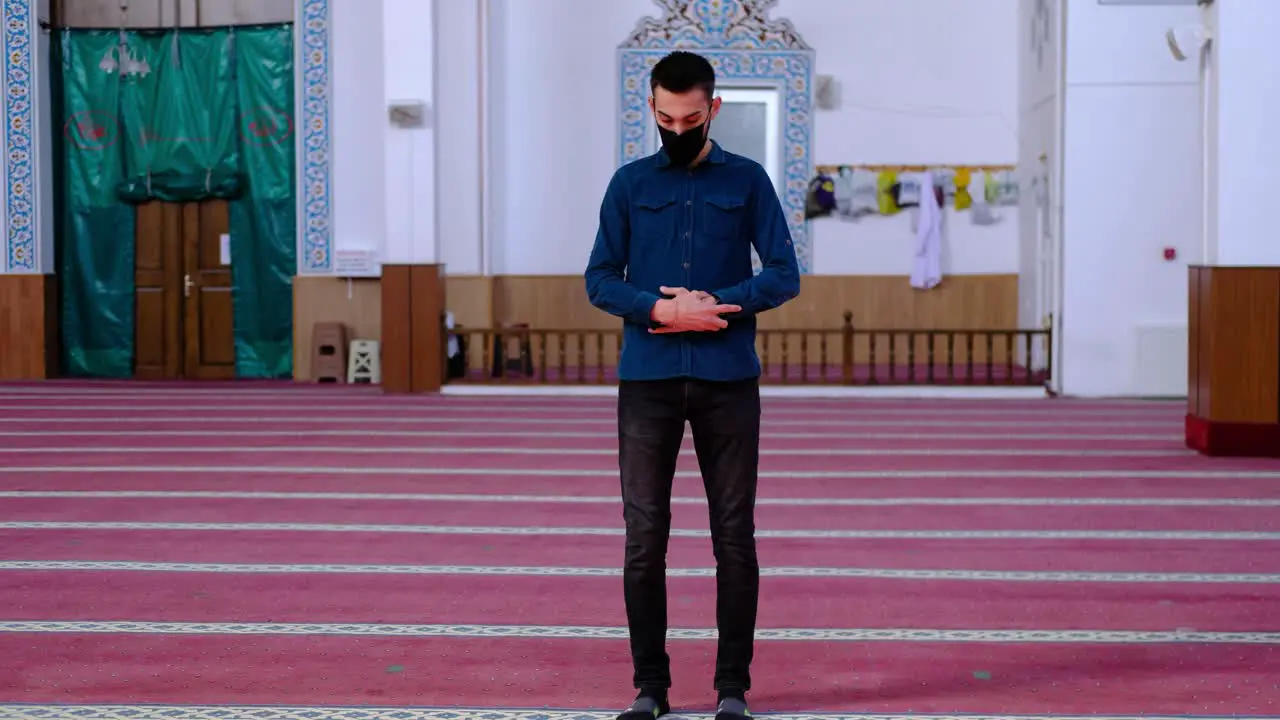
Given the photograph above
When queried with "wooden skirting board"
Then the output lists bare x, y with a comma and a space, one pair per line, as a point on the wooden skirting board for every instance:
560, 301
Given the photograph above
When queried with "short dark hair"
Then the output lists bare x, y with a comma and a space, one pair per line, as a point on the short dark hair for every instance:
682, 71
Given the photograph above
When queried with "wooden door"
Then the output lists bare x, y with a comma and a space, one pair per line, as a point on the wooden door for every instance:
183, 317
158, 291
210, 348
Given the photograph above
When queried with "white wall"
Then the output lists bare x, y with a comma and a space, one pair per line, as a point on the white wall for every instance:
1132, 187
554, 103
918, 87
358, 118
1244, 159
935, 85
458, 136
1039, 46
384, 186
409, 56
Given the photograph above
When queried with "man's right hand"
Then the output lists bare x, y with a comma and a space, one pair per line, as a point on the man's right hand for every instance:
689, 311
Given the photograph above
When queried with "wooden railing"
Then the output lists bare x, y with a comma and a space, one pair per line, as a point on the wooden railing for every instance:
846, 355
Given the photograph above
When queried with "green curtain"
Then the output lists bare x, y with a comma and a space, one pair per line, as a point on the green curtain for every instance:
182, 116
262, 267
97, 247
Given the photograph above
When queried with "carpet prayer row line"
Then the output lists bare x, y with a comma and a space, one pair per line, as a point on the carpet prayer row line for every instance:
425, 560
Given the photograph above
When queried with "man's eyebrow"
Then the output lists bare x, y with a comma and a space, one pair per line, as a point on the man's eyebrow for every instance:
690, 116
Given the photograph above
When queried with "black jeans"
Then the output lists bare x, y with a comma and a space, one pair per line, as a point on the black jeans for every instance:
725, 420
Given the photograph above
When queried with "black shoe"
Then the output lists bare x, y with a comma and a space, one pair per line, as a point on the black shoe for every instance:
732, 707
646, 706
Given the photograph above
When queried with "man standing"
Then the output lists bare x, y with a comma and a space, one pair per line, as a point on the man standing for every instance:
672, 258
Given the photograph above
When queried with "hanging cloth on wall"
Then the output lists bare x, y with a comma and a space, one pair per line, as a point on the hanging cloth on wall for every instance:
926, 270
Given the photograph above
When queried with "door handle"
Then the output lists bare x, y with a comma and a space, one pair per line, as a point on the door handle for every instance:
187, 285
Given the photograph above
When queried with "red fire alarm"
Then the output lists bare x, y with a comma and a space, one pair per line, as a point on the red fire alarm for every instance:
1170, 253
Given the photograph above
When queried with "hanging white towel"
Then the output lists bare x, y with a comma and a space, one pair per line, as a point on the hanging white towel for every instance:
926, 272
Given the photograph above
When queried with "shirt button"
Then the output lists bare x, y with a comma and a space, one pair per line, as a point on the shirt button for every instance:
686, 266
687, 203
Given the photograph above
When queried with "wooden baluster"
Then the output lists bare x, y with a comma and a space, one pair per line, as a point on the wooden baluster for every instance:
1009, 355
488, 340
822, 355
541, 371
929, 349
911, 357
951, 356
804, 357
968, 345
873, 379
1029, 363
1048, 354
846, 349
893, 357
564, 364
990, 358
600, 358
581, 339
786, 372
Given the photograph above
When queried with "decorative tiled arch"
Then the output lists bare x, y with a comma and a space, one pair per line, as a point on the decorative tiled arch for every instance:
314, 91
747, 48
21, 253
313, 39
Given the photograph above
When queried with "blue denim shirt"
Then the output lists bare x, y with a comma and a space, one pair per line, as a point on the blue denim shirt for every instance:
692, 228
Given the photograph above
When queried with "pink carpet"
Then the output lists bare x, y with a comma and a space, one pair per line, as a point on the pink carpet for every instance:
281, 552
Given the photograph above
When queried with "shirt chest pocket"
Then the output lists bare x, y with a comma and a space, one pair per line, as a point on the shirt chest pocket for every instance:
724, 218
656, 219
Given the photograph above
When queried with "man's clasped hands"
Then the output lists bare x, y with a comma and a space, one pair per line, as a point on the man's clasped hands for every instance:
689, 311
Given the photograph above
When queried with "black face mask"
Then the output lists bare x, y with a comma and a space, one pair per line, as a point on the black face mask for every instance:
683, 148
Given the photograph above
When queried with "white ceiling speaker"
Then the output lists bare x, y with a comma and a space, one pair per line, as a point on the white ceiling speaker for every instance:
1186, 40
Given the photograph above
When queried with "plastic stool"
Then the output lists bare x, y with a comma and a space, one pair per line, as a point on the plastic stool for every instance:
365, 365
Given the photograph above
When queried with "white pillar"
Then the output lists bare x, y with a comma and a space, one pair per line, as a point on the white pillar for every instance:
1242, 90
408, 55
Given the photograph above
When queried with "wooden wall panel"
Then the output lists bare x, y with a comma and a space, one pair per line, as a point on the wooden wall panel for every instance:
356, 303
470, 299
962, 302
28, 327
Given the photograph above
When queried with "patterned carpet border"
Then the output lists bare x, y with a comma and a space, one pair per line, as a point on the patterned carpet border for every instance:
584, 452
679, 500
572, 632
675, 532
551, 571
328, 470
251, 712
